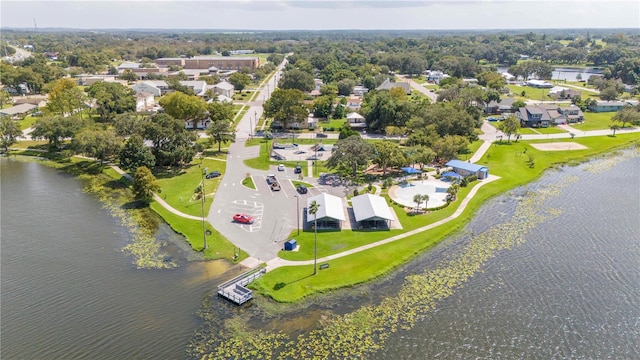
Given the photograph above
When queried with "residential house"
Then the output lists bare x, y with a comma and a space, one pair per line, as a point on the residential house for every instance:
572, 113
356, 121
223, 88
538, 83
354, 103
199, 87
494, 107
561, 93
388, 85
436, 76
533, 116
221, 99
18, 111
144, 101
155, 87
606, 106
470, 81
360, 90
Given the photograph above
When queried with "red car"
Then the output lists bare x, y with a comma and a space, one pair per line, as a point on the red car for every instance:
243, 218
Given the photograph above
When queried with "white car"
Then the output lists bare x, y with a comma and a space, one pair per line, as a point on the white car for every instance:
280, 167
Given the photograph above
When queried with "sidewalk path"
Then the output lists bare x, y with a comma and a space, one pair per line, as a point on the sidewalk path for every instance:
278, 262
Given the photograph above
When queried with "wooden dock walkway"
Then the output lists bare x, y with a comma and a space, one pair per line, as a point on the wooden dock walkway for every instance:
235, 291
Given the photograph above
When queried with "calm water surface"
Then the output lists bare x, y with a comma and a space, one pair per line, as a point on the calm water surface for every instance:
67, 290
572, 290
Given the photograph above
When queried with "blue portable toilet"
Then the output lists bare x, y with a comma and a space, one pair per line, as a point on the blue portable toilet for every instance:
290, 245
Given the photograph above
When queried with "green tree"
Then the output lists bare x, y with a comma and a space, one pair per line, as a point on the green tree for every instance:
322, 106
9, 132
509, 126
628, 114
449, 147
614, 128
112, 99
5, 98
135, 154
297, 79
345, 86
173, 145
517, 105
128, 75
417, 199
144, 184
98, 143
56, 128
388, 153
340, 111
184, 107
492, 80
239, 80
65, 97
286, 106
221, 131
350, 153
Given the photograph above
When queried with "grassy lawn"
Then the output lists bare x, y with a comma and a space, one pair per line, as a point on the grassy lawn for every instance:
336, 124
27, 122
289, 284
178, 188
551, 130
248, 182
243, 96
218, 247
296, 183
530, 93
595, 121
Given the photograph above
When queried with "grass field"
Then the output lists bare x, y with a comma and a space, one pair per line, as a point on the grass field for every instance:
179, 186
595, 121
511, 161
27, 122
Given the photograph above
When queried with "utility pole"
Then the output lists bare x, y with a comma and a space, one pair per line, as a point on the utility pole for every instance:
204, 231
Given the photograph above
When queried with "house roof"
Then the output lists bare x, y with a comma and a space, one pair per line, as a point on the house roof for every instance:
388, 85
459, 164
18, 109
224, 85
354, 115
503, 102
330, 207
370, 207
610, 103
526, 112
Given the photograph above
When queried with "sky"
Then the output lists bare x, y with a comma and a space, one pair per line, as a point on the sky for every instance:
321, 15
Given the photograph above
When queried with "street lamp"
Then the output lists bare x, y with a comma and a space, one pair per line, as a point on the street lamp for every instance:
298, 211
204, 231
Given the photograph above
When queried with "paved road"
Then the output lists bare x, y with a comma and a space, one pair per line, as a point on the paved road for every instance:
414, 85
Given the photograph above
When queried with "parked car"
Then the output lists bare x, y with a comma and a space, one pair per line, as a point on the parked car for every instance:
275, 186
271, 179
243, 218
301, 189
298, 170
281, 167
213, 174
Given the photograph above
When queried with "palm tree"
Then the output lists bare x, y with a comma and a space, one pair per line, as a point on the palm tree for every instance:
417, 198
425, 199
614, 127
313, 210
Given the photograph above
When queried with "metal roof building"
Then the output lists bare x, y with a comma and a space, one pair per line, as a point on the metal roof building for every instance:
467, 169
371, 210
330, 213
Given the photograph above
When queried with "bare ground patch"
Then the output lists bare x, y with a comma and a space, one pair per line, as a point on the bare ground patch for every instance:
559, 146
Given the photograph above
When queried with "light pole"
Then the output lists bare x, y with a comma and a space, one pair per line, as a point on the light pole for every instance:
204, 232
255, 113
298, 212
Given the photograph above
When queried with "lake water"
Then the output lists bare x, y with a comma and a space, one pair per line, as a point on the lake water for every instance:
67, 290
568, 74
571, 290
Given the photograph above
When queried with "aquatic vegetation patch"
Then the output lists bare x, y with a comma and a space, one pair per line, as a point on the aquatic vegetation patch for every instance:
611, 160
364, 331
144, 248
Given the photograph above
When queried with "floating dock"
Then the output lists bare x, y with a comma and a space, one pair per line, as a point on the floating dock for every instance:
235, 291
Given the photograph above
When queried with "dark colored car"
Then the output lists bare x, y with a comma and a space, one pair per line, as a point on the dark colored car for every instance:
301, 189
213, 174
298, 170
